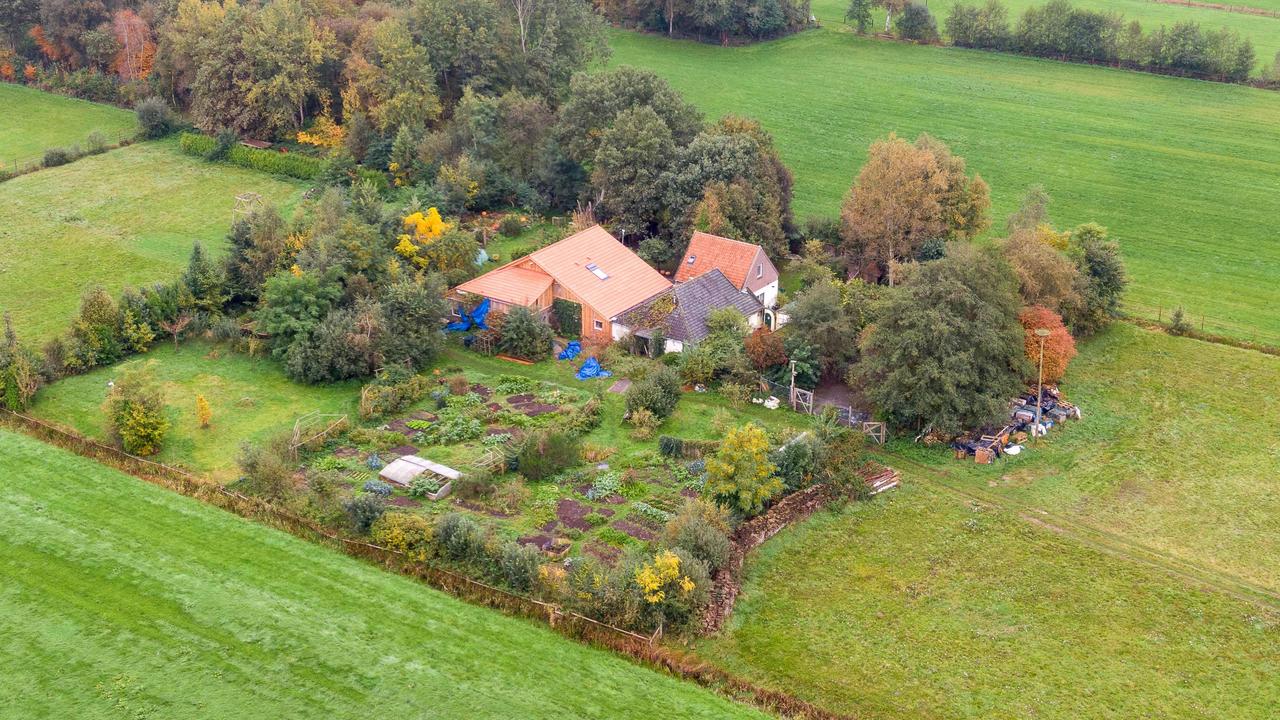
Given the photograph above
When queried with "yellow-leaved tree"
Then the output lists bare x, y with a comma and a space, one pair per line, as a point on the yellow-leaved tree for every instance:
422, 230
740, 474
203, 412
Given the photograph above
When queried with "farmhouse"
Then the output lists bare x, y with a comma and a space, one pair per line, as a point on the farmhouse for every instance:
746, 266
679, 315
590, 269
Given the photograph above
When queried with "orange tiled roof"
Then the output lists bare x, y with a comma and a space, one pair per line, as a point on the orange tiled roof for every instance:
732, 257
509, 284
628, 279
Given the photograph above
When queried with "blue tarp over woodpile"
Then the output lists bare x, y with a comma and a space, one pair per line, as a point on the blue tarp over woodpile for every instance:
570, 351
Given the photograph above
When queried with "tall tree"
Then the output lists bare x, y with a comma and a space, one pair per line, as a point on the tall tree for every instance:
947, 353
390, 78
909, 193
631, 159
287, 49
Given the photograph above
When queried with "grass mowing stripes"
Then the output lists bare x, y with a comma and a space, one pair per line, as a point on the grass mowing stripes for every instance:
920, 604
120, 599
127, 217
34, 121
1183, 172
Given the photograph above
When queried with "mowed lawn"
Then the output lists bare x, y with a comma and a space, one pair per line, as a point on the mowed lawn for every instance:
35, 121
127, 217
121, 599
1184, 173
920, 604
251, 399
1179, 451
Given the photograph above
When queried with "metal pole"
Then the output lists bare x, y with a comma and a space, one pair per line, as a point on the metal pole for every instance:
1041, 333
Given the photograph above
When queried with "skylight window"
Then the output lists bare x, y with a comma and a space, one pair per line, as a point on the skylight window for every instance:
692, 259
595, 270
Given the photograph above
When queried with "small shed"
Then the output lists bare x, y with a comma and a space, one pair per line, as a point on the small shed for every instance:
402, 471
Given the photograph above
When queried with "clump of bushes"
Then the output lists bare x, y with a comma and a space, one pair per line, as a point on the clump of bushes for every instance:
135, 413
701, 528
460, 538
543, 454
55, 156
658, 392
288, 164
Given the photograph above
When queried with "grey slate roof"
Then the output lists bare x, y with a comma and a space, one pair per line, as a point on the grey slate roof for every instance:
694, 301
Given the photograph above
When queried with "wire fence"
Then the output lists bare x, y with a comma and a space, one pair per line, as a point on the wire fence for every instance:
1205, 326
645, 649
11, 167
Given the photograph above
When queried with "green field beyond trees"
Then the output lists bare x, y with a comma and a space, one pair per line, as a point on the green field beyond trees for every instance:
120, 599
1263, 30
1183, 173
923, 605
34, 121
126, 217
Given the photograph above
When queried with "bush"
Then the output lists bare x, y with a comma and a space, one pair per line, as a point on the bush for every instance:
544, 454
53, 157
737, 394
1178, 323
96, 143
460, 537
701, 528
458, 385
916, 23
201, 146
524, 335
403, 532
670, 446
643, 423
377, 487
364, 510
658, 392
519, 565
511, 225
135, 413
473, 486
154, 118
741, 473
266, 470
796, 463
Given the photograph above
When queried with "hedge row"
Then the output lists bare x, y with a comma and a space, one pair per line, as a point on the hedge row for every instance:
288, 164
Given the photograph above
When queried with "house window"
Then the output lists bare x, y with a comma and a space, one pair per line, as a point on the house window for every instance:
759, 270
597, 324
454, 312
692, 259
595, 270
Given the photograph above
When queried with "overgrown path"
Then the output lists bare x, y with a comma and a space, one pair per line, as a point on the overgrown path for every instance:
1095, 538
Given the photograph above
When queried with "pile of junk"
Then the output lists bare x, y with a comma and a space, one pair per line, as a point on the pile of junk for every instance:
991, 444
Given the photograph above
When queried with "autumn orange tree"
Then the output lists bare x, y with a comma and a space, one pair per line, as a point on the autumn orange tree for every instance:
908, 193
1059, 346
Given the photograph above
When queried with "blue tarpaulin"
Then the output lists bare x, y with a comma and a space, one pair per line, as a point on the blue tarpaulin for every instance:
570, 351
469, 320
591, 369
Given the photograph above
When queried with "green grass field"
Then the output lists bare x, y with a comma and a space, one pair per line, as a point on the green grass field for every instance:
35, 121
1181, 171
1263, 30
1177, 452
251, 400
120, 599
922, 605
127, 217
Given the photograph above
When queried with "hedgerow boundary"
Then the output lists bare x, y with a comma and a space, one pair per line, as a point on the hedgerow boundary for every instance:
643, 650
